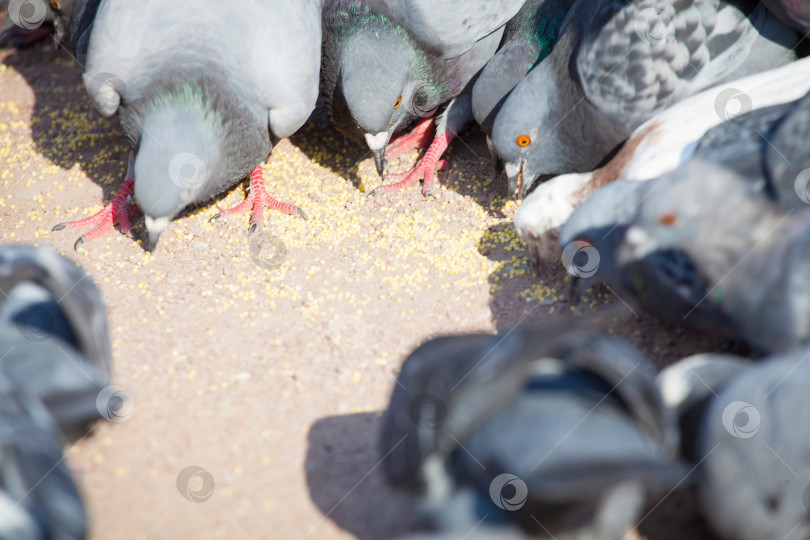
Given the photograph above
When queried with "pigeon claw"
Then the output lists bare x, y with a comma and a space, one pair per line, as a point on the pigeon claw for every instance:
116, 212
256, 200
418, 138
425, 170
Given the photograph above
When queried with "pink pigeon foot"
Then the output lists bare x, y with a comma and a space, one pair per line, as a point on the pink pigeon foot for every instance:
425, 170
418, 138
117, 211
256, 200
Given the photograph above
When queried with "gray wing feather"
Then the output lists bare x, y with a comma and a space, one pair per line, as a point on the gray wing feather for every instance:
649, 54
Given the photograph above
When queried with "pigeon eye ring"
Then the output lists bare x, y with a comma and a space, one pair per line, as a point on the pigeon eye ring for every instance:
523, 141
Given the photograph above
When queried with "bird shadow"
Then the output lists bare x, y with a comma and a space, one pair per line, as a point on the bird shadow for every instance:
471, 172
346, 482
65, 128
343, 156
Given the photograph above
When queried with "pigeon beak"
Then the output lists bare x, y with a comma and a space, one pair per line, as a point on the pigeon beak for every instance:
155, 226
514, 174
378, 144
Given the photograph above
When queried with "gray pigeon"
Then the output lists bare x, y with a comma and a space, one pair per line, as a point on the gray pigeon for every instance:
528, 38
54, 343
680, 255
38, 499
387, 63
54, 366
203, 95
543, 430
616, 65
748, 443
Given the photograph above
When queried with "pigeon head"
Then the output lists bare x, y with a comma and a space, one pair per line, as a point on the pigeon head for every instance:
599, 224
179, 153
378, 88
522, 133
677, 210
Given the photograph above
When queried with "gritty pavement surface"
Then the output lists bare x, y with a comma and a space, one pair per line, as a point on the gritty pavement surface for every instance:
267, 363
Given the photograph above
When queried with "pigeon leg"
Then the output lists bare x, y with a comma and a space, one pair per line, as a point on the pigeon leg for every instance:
418, 138
452, 121
425, 170
117, 211
256, 200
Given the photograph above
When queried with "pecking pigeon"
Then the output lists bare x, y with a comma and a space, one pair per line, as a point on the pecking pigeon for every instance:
679, 253
743, 422
528, 38
387, 63
617, 65
656, 147
203, 95
543, 430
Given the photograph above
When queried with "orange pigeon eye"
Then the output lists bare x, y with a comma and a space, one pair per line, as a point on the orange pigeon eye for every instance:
399, 102
524, 140
668, 219
54, 4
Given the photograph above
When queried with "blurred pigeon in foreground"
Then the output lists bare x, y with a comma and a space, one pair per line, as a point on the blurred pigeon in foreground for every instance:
656, 147
386, 63
54, 366
202, 101
677, 251
558, 432
38, 500
54, 343
746, 426
616, 65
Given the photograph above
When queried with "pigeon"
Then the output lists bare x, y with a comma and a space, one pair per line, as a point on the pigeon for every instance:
615, 66
54, 367
656, 147
54, 342
38, 499
203, 96
751, 455
678, 253
796, 13
387, 63
541, 430
528, 38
